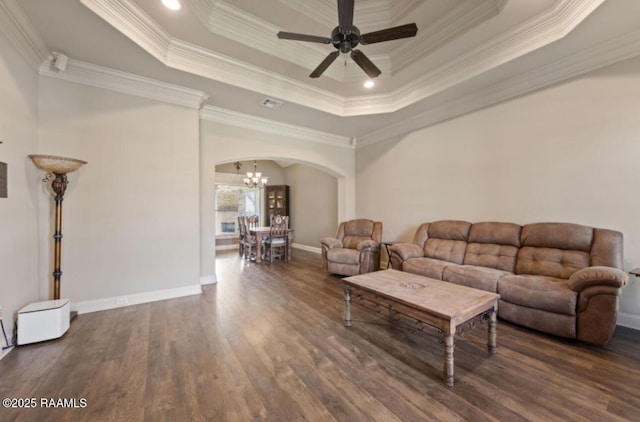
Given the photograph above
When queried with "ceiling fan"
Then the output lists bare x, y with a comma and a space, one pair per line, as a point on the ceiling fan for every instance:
346, 36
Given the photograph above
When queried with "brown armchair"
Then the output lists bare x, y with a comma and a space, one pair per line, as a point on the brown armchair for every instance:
355, 249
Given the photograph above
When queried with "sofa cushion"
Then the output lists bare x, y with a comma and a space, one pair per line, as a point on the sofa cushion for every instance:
445, 249
544, 293
355, 231
558, 263
344, 256
422, 234
473, 276
447, 240
493, 245
607, 248
498, 233
449, 229
351, 242
499, 257
557, 236
426, 267
548, 322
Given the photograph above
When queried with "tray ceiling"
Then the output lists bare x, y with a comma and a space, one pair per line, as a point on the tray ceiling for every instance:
228, 50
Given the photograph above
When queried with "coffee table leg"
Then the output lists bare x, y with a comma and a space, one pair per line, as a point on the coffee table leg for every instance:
492, 333
449, 344
347, 307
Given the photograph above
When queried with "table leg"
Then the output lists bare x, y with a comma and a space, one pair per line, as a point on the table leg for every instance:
449, 344
347, 307
258, 247
492, 333
386, 247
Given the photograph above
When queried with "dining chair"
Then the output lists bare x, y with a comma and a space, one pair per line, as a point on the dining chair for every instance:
276, 244
250, 245
253, 221
241, 235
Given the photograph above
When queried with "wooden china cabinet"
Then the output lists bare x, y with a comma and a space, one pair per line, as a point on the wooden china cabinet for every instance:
277, 202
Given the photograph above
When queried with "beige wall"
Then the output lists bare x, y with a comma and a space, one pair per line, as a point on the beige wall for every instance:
566, 153
131, 214
268, 168
18, 230
223, 143
314, 204
137, 217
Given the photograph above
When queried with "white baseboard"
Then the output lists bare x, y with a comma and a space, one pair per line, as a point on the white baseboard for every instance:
629, 320
226, 247
306, 248
87, 306
208, 279
5, 352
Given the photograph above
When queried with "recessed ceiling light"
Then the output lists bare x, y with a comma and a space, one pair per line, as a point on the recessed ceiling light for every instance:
369, 84
172, 4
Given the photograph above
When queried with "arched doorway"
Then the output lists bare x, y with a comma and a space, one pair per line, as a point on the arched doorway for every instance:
312, 201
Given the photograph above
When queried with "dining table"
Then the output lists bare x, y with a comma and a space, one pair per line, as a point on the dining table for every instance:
263, 231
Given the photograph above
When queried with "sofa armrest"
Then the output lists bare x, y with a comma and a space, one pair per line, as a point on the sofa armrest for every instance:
405, 251
598, 276
330, 242
368, 244
400, 252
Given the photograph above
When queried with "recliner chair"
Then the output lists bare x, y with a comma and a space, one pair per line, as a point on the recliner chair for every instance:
355, 249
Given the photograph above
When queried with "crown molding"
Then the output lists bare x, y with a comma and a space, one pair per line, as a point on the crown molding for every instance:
21, 33
136, 25
248, 121
587, 60
224, 19
324, 12
129, 19
450, 26
398, 9
373, 14
537, 32
541, 30
126, 83
195, 60
231, 22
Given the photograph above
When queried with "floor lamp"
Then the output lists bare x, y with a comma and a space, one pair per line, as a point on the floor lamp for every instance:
58, 167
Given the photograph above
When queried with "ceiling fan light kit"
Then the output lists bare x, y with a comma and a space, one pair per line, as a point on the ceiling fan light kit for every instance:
346, 37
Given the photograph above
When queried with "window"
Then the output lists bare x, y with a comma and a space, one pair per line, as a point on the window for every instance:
233, 201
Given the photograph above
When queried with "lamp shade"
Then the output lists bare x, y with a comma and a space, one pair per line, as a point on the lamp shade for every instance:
54, 164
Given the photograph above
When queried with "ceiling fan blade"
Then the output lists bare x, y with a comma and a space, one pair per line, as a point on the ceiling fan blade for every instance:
325, 64
365, 64
345, 15
303, 37
395, 33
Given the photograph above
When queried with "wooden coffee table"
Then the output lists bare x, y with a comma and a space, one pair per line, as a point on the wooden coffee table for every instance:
446, 306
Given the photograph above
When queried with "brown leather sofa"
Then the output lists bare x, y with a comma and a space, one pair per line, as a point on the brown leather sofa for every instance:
559, 278
355, 249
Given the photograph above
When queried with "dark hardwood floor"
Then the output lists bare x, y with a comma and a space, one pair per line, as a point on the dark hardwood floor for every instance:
268, 343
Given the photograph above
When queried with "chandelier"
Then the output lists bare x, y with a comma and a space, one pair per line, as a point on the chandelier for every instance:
255, 179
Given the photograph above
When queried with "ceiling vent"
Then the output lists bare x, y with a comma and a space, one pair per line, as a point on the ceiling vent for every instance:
271, 103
